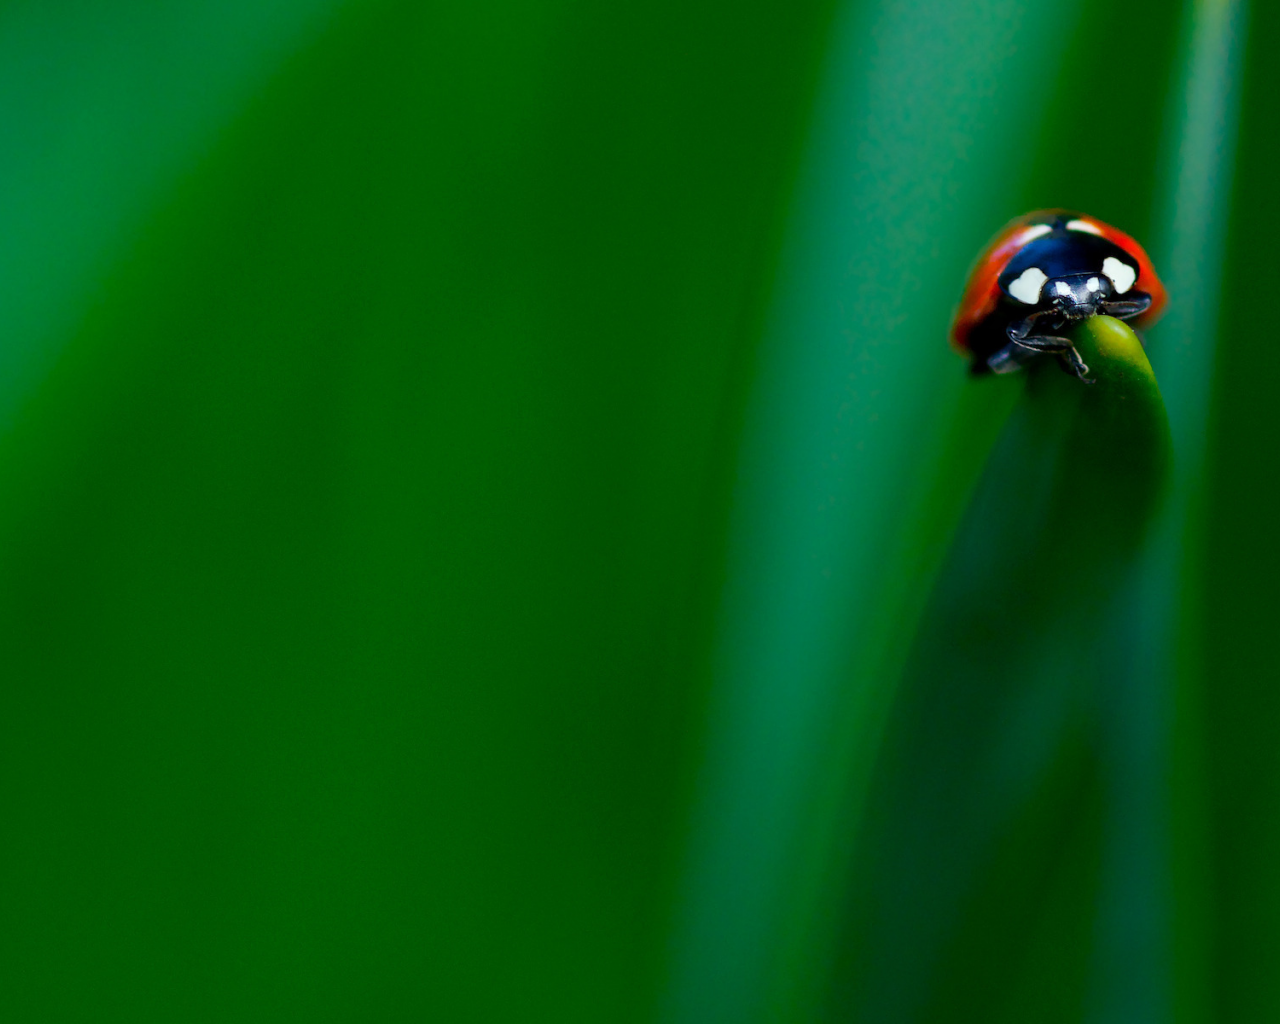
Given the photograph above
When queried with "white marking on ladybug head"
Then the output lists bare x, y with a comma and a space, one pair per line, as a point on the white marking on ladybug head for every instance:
1027, 287
1122, 275
1093, 284
1082, 225
1062, 288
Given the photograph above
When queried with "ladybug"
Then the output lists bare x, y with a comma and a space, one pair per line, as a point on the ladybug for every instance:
1042, 272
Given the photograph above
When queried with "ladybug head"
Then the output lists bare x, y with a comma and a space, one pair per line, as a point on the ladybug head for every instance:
1077, 296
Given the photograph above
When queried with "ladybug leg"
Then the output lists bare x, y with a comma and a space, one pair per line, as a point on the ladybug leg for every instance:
1020, 337
1011, 358
1123, 309
1017, 354
1018, 331
1071, 362
1068, 358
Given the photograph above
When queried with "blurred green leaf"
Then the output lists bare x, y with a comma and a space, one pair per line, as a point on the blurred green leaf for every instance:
106, 107
355, 554
990, 771
1229, 769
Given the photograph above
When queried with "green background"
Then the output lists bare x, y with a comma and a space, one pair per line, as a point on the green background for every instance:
483, 532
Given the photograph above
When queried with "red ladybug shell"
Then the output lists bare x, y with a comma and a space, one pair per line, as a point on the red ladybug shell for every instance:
982, 293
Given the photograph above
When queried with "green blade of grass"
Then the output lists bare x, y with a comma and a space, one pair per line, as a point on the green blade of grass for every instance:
976, 880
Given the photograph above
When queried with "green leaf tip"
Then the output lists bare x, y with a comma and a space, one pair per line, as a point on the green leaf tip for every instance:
1110, 439
1114, 353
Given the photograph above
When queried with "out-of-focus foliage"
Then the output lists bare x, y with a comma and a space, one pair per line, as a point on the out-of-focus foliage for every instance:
484, 526
1234, 714
355, 552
